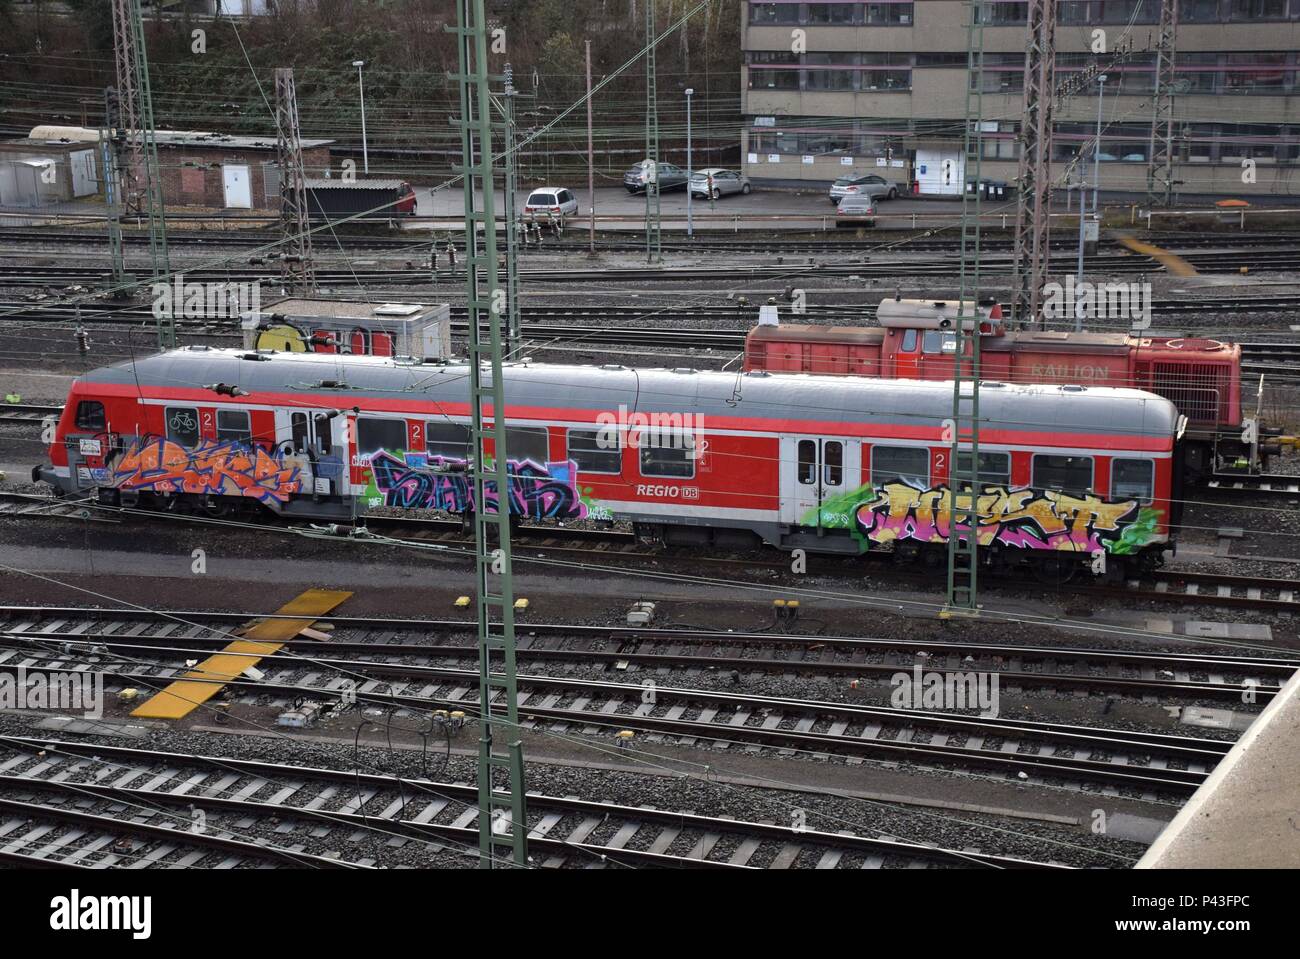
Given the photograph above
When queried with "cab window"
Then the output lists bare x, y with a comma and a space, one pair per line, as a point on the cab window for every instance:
90, 416
909, 341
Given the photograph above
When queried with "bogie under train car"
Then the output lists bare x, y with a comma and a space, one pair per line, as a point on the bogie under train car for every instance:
688, 457
915, 340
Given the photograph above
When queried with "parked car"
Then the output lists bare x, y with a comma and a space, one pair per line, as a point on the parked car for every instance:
876, 187
669, 177
856, 209
715, 182
550, 200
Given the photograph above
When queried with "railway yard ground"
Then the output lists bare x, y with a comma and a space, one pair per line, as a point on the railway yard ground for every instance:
759, 716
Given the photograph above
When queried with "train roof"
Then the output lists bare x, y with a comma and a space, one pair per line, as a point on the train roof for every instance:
715, 395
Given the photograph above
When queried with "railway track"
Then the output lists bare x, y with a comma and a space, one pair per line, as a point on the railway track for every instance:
608, 546
26, 412
329, 806
1146, 762
691, 652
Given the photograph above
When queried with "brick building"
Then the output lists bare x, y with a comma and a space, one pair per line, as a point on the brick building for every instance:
214, 171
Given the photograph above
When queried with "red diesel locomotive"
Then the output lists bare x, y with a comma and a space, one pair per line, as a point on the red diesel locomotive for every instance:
688, 457
914, 340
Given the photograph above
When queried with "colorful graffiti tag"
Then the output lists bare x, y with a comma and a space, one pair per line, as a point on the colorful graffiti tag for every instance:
537, 491
1022, 518
212, 468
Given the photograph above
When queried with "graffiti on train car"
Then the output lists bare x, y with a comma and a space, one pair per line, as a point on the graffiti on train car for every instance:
1019, 517
224, 468
537, 490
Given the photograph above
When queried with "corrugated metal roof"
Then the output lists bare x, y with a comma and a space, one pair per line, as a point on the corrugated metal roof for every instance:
315, 183
718, 397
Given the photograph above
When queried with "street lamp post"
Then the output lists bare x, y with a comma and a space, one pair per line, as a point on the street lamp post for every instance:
690, 225
361, 86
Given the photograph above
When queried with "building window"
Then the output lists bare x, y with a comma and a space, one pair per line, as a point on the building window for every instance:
1258, 10
900, 464
1064, 474
233, 427
773, 14
888, 14
1132, 479
823, 14
182, 425
90, 416
999, 13
597, 451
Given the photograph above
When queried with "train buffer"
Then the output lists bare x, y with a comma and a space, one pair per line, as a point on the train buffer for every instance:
262, 639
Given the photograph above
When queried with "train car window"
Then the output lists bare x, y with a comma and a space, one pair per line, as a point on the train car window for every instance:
907, 464
833, 460
233, 427
528, 443
299, 423
807, 462
323, 446
909, 341
375, 434
666, 453
1132, 478
90, 416
448, 440
1069, 474
596, 451
182, 425
995, 468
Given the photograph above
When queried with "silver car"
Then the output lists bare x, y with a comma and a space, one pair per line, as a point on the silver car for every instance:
868, 184
715, 182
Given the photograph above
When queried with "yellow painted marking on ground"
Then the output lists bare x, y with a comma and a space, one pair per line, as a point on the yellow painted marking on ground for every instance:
262, 639
1176, 265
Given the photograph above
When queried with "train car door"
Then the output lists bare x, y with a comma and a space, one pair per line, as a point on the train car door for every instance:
314, 441
815, 474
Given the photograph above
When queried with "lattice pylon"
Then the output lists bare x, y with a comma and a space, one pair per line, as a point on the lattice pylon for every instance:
1034, 179
296, 266
1160, 154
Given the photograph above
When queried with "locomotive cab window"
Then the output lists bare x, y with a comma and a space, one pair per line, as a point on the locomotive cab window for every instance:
528, 443
374, 434
667, 454
1068, 474
907, 464
90, 416
994, 470
909, 341
448, 440
596, 451
233, 427
1132, 479
182, 425
937, 341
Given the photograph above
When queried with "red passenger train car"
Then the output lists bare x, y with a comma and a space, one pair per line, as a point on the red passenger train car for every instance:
688, 457
915, 340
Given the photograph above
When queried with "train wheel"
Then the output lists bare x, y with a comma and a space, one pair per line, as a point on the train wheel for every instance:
1055, 570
